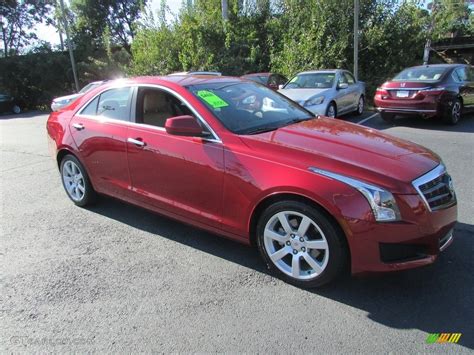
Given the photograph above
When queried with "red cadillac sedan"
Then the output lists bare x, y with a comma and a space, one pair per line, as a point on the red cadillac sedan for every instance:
238, 159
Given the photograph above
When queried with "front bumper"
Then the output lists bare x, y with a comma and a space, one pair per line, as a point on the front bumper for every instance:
317, 109
415, 241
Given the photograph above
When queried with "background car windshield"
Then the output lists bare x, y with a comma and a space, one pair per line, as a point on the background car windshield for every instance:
420, 74
257, 78
312, 81
246, 107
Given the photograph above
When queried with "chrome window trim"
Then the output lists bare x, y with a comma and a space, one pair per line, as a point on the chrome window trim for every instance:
429, 176
215, 139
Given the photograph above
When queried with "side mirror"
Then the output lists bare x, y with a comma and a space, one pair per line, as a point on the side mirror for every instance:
184, 126
280, 86
342, 85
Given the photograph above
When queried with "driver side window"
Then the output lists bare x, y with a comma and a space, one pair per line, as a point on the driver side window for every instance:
155, 106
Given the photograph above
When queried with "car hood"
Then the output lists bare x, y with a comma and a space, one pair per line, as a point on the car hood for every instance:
68, 97
301, 95
348, 149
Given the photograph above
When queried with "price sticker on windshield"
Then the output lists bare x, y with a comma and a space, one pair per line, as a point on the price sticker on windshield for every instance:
212, 99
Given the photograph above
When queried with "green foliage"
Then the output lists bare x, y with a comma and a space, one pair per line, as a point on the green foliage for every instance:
113, 37
452, 18
35, 79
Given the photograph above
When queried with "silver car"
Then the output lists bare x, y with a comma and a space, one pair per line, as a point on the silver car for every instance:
63, 101
326, 92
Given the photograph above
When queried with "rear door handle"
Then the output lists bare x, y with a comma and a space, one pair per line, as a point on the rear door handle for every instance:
137, 142
78, 126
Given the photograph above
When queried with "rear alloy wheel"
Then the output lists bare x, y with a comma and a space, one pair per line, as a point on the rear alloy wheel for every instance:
16, 109
300, 244
360, 106
331, 111
454, 115
76, 181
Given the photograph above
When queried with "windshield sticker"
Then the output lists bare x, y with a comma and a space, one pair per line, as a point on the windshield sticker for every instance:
212, 99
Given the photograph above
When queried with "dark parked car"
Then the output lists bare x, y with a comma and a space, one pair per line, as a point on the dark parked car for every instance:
441, 90
272, 80
9, 104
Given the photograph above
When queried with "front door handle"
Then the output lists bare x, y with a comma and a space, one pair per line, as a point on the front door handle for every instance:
137, 142
78, 126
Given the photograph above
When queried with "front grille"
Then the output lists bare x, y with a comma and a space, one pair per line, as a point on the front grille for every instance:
436, 189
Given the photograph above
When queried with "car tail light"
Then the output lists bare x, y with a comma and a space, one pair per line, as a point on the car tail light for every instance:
433, 91
381, 92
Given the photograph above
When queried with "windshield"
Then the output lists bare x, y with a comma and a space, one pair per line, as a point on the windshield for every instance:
312, 81
421, 74
88, 87
247, 107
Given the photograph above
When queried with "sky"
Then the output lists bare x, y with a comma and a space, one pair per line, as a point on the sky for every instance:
49, 34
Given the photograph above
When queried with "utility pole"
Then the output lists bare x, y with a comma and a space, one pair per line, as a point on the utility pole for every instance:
356, 38
225, 10
426, 52
69, 44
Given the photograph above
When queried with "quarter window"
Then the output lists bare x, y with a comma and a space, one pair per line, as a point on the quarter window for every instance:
462, 74
115, 104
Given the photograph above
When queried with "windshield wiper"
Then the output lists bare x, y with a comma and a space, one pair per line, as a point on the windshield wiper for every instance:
261, 130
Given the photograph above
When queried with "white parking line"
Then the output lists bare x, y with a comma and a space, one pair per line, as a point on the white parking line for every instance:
367, 118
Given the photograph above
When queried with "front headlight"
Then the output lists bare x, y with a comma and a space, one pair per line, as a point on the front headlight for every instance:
382, 202
314, 101
62, 102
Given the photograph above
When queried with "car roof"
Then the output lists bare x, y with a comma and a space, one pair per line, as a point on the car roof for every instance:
320, 71
444, 65
258, 74
181, 80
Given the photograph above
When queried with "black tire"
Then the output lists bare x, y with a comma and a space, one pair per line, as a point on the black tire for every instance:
331, 108
453, 114
387, 117
337, 255
360, 108
89, 196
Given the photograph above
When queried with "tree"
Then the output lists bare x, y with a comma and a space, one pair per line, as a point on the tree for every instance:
451, 18
17, 19
93, 17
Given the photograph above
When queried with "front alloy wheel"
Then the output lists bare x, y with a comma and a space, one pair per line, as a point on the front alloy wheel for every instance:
296, 245
331, 110
301, 244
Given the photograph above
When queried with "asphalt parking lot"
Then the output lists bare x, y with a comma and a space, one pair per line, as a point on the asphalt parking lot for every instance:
116, 278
